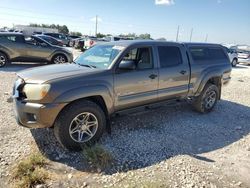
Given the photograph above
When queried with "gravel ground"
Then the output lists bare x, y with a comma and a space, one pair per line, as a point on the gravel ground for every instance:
170, 145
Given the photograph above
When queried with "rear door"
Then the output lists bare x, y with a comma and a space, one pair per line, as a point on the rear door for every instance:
173, 72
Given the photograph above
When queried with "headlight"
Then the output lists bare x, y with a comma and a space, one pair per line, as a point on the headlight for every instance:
36, 91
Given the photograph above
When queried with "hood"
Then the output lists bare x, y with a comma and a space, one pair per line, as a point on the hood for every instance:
50, 72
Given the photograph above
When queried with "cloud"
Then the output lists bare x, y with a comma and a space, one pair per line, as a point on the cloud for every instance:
164, 2
94, 19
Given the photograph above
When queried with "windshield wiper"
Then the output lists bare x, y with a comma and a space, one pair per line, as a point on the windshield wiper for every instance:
85, 65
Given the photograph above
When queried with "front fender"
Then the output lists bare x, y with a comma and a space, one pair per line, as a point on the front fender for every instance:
89, 91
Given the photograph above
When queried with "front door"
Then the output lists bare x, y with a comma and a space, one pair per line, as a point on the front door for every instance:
139, 86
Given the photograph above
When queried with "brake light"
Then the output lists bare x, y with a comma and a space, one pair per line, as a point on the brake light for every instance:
91, 42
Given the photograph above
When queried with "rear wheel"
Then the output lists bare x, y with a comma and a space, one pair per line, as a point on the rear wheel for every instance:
234, 62
80, 123
207, 99
3, 60
59, 59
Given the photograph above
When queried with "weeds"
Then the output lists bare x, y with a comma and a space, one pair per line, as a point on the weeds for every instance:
30, 172
97, 156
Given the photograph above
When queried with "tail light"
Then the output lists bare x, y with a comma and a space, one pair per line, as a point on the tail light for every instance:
91, 42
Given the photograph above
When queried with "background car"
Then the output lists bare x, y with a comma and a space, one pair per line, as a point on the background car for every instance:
14, 47
65, 40
233, 56
72, 39
50, 40
244, 57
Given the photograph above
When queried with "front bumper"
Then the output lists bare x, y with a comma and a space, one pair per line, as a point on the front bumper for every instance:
33, 115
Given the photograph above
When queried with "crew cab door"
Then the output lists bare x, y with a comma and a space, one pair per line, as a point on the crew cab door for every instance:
136, 86
174, 71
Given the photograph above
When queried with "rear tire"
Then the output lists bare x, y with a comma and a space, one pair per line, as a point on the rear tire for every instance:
59, 59
71, 128
207, 99
234, 63
3, 60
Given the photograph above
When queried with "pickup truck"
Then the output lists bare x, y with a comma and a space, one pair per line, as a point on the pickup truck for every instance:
78, 99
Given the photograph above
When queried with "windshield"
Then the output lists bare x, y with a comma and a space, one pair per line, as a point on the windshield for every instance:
99, 56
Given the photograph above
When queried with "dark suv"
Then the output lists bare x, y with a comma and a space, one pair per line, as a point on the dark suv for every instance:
14, 47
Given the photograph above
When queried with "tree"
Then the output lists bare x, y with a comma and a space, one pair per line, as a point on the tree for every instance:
100, 35
61, 29
76, 33
145, 36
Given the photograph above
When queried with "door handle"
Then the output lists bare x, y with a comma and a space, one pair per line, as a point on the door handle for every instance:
183, 72
153, 76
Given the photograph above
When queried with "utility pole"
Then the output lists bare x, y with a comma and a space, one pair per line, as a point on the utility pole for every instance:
206, 38
177, 34
96, 22
191, 35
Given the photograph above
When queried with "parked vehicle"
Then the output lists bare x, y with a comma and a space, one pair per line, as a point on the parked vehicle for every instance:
50, 40
72, 39
79, 99
79, 43
89, 42
233, 56
14, 47
244, 57
65, 40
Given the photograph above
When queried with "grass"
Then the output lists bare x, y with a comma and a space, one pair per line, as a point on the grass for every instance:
97, 156
30, 172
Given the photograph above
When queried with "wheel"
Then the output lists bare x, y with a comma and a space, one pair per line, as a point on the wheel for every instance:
3, 60
80, 123
207, 99
59, 59
234, 62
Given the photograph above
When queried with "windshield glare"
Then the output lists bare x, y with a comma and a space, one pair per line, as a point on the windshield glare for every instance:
99, 56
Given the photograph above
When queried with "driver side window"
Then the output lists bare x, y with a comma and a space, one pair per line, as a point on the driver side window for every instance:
141, 56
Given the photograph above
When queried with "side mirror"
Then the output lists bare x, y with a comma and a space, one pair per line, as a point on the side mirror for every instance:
127, 65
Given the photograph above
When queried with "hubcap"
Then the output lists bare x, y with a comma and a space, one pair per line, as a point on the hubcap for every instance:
2, 60
234, 62
83, 127
59, 59
210, 99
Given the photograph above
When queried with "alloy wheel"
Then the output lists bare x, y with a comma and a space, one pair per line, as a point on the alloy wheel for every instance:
83, 127
2, 60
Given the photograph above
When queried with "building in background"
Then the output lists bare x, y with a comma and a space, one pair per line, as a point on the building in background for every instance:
28, 30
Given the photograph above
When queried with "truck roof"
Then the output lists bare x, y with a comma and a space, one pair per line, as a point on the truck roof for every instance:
150, 42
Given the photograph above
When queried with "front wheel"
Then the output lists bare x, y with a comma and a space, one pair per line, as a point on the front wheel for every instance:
207, 99
81, 123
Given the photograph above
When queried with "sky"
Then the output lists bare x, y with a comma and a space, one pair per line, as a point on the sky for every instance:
220, 21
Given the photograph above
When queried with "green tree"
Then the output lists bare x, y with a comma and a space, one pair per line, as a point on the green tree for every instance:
100, 35
145, 36
76, 33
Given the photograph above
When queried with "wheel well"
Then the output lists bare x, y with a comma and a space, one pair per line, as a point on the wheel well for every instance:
59, 54
216, 81
96, 99
8, 58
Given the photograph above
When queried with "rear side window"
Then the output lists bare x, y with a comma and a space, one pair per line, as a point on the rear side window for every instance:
169, 56
217, 53
206, 54
12, 38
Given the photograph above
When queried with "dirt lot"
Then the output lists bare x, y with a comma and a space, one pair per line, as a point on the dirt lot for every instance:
170, 146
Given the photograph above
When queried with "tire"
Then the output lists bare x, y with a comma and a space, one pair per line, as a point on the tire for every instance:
209, 93
3, 60
65, 128
59, 59
234, 62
